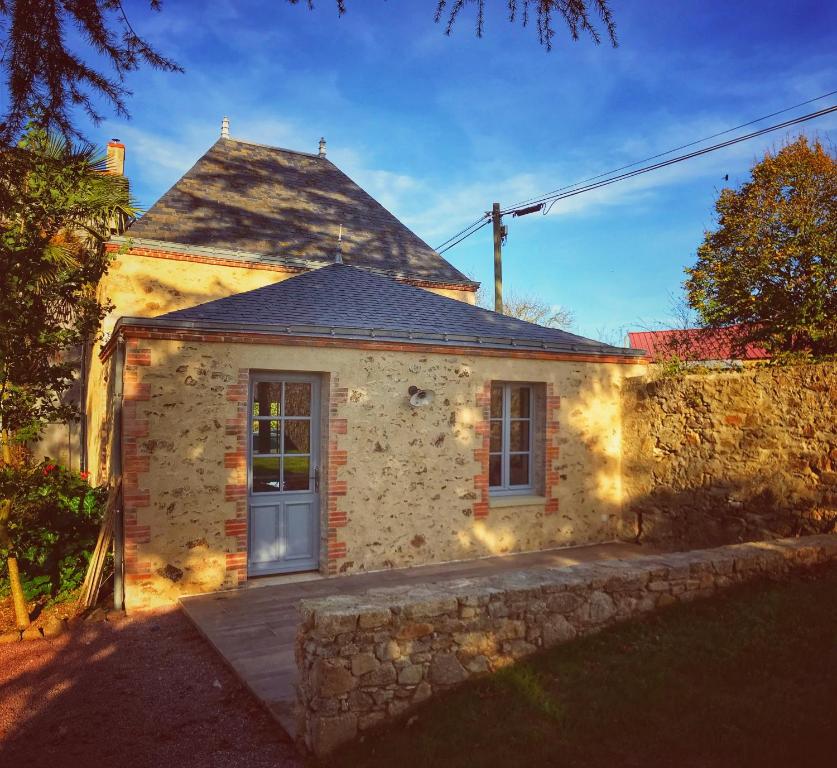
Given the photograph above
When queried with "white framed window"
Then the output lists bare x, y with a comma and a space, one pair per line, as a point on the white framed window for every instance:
510, 459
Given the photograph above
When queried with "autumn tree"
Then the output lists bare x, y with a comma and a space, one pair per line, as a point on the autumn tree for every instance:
771, 262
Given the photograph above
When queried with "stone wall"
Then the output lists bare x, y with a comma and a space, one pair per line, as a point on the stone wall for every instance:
366, 659
715, 458
401, 486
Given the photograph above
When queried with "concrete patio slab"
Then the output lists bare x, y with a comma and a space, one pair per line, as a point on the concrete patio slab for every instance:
254, 628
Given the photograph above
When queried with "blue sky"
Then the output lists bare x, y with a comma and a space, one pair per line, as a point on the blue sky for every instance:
438, 127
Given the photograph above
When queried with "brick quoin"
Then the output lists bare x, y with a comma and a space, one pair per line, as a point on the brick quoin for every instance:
134, 462
335, 488
482, 430
235, 490
552, 475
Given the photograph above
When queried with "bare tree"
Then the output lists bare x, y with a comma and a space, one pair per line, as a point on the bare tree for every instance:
530, 308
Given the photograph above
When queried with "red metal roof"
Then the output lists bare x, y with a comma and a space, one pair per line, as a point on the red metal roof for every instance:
696, 344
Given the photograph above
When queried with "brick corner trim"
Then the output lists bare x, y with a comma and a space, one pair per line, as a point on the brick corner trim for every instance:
135, 461
552, 451
337, 518
482, 431
235, 490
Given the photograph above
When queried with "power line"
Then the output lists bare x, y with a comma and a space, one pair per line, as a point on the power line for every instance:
575, 189
676, 149
680, 158
461, 231
485, 221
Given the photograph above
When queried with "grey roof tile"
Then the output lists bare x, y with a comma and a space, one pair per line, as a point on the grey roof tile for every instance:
280, 204
347, 298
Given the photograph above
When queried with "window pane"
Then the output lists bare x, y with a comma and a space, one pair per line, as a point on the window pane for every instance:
496, 437
266, 475
496, 401
297, 399
494, 472
519, 469
519, 402
297, 437
265, 436
296, 473
519, 436
267, 399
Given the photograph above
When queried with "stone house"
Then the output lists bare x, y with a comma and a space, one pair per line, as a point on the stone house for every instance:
292, 381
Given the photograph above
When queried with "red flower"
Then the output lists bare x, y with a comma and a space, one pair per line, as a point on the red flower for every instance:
84, 475
48, 468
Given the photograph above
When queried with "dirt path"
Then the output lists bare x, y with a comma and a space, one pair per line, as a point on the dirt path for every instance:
146, 691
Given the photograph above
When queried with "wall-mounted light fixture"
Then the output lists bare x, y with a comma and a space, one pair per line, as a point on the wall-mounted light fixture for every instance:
420, 397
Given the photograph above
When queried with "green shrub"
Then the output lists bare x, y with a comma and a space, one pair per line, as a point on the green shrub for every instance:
53, 527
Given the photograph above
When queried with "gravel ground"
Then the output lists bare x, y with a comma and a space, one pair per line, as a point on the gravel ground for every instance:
143, 691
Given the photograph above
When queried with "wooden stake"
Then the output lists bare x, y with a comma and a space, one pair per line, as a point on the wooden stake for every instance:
21, 611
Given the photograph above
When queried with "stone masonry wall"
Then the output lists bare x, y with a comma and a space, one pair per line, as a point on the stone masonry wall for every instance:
369, 658
722, 457
401, 486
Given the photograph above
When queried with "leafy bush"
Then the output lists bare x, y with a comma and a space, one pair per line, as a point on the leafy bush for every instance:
53, 527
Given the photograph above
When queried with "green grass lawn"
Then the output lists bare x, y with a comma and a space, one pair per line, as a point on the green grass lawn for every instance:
748, 678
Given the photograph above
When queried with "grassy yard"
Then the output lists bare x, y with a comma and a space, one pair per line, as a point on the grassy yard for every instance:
745, 679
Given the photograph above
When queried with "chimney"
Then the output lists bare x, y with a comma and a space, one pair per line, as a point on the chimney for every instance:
116, 157
338, 257
322, 148
225, 128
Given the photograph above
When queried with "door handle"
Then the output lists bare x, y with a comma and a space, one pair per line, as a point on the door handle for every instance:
317, 480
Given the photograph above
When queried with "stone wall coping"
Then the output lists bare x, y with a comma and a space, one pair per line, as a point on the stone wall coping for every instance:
435, 599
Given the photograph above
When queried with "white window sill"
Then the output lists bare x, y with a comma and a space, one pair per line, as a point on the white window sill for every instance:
523, 500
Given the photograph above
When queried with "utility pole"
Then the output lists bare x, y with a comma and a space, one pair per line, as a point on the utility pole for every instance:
497, 221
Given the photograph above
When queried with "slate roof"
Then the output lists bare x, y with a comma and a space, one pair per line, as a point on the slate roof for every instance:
279, 206
348, 302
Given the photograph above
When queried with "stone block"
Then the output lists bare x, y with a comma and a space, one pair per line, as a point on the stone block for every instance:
383, 675
478, 665
422, 692
328, 733
411, 674
414, 630
332, 679
371, 617
602, 607
388, 650
332, 623
364, 663
431, 607
445, 669
563, 602
557, 630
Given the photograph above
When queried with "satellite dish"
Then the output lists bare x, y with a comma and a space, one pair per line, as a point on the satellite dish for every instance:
420, 397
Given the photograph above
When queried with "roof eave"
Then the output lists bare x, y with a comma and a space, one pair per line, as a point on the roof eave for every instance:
376, 334
250, 257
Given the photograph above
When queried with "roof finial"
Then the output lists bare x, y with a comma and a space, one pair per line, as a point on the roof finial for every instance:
225, 128
322, 147
338, 259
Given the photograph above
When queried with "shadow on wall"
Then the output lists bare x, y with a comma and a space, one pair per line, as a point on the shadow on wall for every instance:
101, 694
723, 457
